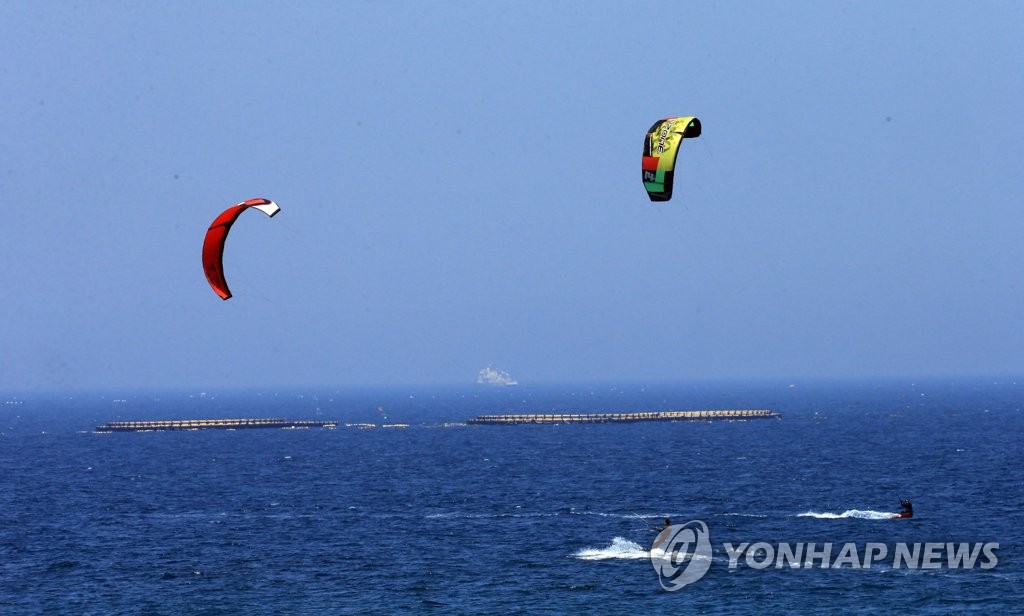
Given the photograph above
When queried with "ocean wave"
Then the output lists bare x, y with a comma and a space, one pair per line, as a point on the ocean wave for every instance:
619, 548
486, 516
536, 514
849, 513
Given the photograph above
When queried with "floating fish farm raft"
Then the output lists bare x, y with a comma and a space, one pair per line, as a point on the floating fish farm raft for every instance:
209, 424
507, 420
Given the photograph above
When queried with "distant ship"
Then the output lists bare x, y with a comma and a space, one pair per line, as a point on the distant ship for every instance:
490, 376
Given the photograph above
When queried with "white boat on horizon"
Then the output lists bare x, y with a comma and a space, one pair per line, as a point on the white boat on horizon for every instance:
490, 376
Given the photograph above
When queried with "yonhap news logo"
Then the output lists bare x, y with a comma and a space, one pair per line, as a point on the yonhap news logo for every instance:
851, 555
683, 554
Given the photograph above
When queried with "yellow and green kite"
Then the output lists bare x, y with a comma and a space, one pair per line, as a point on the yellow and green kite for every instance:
661, 146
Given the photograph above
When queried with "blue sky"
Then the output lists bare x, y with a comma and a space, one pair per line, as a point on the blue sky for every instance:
460, 186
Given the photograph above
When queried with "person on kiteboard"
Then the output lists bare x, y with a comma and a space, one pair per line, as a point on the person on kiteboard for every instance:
908, 509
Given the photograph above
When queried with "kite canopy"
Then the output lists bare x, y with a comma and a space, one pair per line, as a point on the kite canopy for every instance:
661, 146
217, 234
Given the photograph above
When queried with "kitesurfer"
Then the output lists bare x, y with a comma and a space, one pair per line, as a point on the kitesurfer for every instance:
908, 509
663, 534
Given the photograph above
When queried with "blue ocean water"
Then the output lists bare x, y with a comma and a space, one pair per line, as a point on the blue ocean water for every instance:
517, 519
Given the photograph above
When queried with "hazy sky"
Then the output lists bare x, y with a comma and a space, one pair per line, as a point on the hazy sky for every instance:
460, 186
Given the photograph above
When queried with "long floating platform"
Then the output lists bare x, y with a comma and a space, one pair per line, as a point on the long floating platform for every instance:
209, 424
574, 418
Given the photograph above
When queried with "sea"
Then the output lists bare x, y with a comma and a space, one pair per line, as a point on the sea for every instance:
430, 515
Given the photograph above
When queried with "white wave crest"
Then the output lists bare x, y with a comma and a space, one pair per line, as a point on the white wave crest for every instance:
619, 548
849, 513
